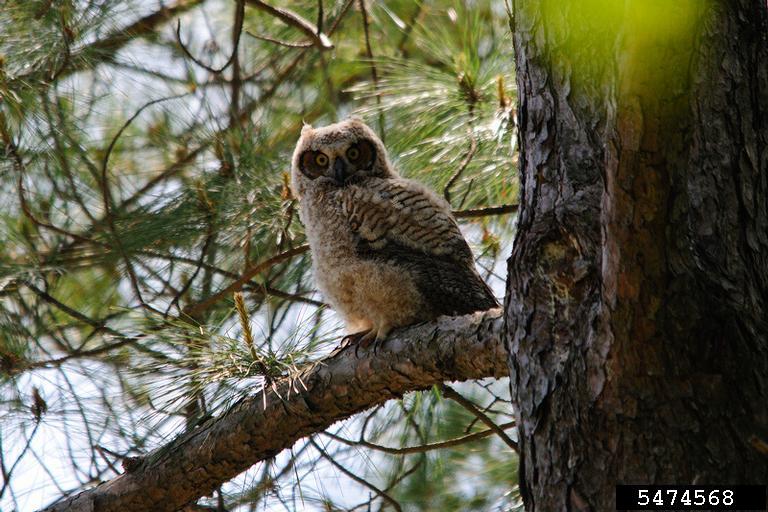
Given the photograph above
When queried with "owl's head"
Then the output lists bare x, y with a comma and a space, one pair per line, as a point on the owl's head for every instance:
338, 153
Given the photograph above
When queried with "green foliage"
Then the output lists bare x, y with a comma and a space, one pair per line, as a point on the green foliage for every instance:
476, 476
138, 184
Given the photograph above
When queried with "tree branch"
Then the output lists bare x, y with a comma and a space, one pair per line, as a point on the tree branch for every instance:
289, 17
449, 392
428, 447
249, 274
342, 384
382, 494
485, 212
104, 50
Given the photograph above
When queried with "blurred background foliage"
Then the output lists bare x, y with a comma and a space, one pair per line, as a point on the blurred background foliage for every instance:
144, 160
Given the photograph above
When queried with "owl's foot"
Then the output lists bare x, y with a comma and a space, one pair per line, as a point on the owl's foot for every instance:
376, 335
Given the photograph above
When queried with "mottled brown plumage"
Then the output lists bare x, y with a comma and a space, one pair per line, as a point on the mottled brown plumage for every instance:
386, 250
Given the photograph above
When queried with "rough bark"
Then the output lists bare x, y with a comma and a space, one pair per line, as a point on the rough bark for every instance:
637, 294
196, 463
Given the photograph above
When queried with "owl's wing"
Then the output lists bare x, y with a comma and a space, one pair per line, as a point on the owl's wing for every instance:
405, 213
402, 222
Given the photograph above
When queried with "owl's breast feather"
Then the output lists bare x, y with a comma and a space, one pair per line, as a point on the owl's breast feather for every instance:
331, 240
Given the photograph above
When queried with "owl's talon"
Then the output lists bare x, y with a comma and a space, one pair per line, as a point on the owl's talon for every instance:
379, 344
365, 340
381, 337
350, 339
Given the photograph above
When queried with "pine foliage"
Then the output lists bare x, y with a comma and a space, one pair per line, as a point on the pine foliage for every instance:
144, 160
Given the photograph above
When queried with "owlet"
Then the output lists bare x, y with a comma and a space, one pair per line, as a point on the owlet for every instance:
386, 251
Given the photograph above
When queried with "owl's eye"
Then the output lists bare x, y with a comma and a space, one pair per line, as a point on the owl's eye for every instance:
313, 163
362, 154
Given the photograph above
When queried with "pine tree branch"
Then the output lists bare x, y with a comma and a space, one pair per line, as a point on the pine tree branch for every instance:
342, 384
449, 392
105, 49
93, 54
249, 274
485, 212
289, 17
428, 447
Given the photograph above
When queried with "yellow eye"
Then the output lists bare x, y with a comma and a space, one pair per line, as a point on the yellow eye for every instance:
353, 153
321, 160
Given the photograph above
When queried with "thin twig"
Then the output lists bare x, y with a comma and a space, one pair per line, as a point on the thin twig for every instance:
290, 296
12, 149
169, 172
320, 16
114, 140
239, 17
425, 447
236, 78
286, 44
462, 167
249, 274
68, 37
402, 476
200, 264
465, 195
7, 478
340, 17
60, 156
356, 478
449, 392
189, 261
107, 197
372, 63
289, 17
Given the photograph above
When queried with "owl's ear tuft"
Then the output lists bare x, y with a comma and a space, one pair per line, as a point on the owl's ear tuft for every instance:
306, 128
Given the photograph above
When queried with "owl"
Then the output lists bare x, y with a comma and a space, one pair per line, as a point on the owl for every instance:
386, 251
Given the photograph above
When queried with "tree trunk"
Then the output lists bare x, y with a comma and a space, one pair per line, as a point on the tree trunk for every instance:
637, 300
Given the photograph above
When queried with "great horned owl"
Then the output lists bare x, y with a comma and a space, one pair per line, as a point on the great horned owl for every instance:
386, 251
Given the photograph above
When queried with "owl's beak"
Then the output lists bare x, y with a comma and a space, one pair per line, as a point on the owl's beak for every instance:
340, 170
